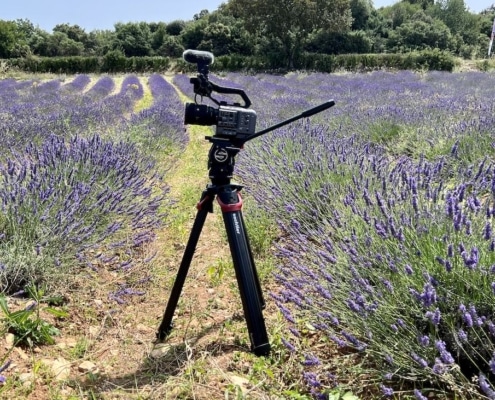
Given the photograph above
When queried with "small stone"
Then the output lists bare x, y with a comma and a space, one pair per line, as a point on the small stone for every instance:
241, 382
60, 369
26, 377
69, 342
94, 330
98, 302
219, 304
10, 339
21, 353
87, 366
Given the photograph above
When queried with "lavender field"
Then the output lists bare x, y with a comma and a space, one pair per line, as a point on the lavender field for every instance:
386, 204
79, 187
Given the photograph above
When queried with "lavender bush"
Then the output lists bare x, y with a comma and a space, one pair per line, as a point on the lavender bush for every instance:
64, 201
387, 205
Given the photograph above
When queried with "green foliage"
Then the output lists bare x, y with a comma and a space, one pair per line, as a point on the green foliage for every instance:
420, 33
12, 40
175, 28
73, 32
424, 60
59, 44
112, 62
360, 11
340, 43
26, 324
272, 19
133, 38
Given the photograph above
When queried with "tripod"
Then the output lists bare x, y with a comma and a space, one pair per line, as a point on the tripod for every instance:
221, 161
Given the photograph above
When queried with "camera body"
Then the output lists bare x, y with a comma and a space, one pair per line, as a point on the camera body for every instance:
232, 122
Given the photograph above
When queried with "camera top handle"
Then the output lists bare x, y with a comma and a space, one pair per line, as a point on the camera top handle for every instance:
202, 86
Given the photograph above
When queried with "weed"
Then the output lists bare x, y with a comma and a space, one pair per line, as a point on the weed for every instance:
26, 324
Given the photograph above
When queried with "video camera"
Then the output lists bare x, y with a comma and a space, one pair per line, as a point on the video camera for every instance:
233, 121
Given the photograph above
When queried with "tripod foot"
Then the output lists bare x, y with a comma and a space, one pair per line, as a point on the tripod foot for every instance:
163, 332
262, 350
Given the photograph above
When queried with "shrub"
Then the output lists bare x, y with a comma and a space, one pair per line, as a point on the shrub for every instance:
65, 200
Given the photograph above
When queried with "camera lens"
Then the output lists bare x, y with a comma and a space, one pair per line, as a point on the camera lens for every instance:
200, 114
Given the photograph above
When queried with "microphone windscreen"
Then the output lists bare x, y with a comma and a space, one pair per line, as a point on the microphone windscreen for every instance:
198, 57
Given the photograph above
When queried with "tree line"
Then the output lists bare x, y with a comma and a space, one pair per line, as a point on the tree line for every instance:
281, 31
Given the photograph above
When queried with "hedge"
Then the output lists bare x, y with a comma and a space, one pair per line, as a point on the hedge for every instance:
115, 62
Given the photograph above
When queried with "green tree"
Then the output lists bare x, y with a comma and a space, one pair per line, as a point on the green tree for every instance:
193, 33
175, 28
453, 13
134, 39
340, 43
158, 35
171, 47
423, 3
59, 44
100, 42
400, 13
74, 32
457, 17
360, 11
291, 22
12, 40
216, 38
419, 33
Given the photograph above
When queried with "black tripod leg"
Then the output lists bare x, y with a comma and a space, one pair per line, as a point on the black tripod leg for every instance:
247, 280
205, 206
256, 277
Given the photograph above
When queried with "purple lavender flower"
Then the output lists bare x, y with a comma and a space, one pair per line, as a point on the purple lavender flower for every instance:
486, 387
439, 367
468, 320
450, 250
419, 360
434, 316
408, 269
5, 366
387, 391
311, 379
288, 345
311, 360
487, 231
462, 335
491, 364
31, 306
419, 395
444, 353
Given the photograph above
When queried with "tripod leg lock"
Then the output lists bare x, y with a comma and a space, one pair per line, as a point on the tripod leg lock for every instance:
230, 201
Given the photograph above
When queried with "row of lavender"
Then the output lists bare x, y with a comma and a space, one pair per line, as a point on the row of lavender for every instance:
77, 186
387, 201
